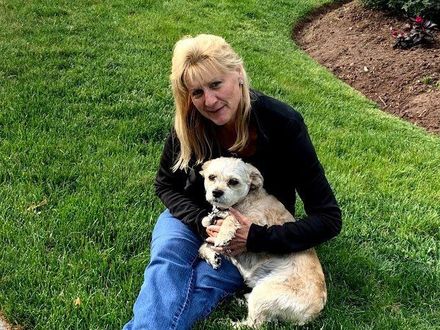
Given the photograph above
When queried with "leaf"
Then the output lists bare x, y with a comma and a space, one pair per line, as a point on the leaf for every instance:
37, 207
77, 302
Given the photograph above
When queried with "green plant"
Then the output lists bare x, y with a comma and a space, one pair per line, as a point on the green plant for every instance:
427, 80
420, 33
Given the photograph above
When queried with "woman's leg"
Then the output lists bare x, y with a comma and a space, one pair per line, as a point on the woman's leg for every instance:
179, 288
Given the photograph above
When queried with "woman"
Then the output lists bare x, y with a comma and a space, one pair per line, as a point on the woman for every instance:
218, 115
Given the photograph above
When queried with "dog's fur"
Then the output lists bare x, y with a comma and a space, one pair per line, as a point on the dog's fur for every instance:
289, 287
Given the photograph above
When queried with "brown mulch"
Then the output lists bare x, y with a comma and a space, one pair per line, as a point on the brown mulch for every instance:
357, 46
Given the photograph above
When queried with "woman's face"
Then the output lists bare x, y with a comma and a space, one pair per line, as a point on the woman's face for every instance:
217, 97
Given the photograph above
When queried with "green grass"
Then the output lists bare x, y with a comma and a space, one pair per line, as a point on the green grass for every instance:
85, 105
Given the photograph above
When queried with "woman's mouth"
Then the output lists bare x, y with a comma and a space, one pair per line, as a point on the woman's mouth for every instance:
217, 110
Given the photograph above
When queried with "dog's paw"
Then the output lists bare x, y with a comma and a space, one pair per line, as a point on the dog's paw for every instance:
215, 261
222, 242
206, 221
210, 256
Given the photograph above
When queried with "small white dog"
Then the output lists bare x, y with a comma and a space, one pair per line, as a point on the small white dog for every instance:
290, 287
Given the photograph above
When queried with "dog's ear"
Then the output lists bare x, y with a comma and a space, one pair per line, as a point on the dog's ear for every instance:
204, 167
255, 176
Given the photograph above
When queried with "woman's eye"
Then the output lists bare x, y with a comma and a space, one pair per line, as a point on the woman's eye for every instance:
211, 177
233, 182
216, 84
196, 94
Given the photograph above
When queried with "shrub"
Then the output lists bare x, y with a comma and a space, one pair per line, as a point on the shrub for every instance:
426, 8
420, 32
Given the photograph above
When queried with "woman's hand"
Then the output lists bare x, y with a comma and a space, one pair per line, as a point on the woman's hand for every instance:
213, 230
238, 243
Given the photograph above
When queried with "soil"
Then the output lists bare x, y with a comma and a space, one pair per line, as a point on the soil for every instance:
356, 44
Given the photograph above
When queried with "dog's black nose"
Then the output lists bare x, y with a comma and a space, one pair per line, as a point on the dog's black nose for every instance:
217, 193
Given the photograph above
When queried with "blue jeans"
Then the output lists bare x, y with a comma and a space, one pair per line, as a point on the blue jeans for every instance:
179, 288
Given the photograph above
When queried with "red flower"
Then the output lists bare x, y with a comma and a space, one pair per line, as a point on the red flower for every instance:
419, 20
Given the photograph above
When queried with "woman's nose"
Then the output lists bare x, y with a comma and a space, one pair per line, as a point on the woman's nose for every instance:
210, 98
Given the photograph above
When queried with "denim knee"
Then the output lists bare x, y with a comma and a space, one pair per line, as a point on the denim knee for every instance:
173, 240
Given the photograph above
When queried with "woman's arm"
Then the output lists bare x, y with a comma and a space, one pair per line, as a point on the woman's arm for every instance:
177, 190
323, 215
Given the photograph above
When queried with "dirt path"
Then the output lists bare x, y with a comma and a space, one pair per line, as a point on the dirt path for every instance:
356, 45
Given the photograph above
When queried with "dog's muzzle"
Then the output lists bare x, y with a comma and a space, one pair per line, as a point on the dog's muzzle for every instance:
217, 193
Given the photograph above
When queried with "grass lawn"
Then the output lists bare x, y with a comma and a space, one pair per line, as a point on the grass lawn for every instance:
85, 106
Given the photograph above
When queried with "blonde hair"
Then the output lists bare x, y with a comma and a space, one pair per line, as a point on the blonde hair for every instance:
193, 58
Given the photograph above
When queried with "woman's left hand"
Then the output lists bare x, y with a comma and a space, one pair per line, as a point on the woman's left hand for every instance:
238, 243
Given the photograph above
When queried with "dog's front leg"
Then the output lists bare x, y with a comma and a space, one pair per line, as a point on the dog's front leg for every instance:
207, 253
227, 231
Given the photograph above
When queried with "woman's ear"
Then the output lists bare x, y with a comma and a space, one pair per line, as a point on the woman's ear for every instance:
255, 176
239, 70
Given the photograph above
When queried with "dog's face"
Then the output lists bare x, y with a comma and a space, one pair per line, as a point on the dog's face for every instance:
228, 181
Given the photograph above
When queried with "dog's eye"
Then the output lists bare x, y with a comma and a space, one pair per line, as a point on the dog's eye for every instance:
233, 182
211, 177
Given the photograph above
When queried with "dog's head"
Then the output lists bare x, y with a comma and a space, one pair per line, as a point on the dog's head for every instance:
229, 180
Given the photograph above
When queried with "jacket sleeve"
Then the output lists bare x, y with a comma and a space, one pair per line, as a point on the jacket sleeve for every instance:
323, 215
178, 190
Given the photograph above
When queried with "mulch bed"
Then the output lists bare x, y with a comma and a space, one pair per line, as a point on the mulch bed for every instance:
357, 46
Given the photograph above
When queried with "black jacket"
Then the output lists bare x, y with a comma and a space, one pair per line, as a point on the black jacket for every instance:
288, 162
